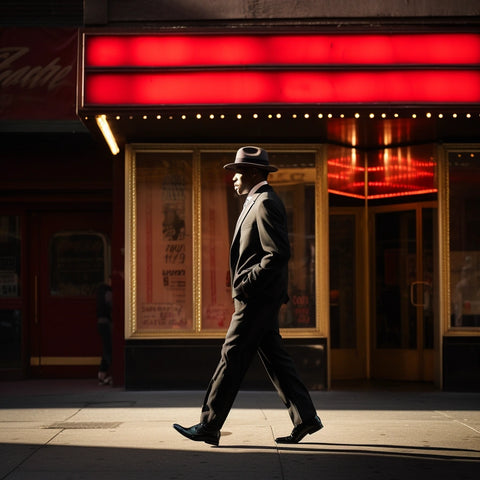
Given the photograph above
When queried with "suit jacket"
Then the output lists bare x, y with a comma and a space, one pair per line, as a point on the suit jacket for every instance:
260, 249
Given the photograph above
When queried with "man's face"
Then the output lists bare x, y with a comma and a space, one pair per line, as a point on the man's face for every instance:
244, 179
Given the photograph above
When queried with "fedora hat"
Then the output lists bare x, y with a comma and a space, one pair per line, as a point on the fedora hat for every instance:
251, 157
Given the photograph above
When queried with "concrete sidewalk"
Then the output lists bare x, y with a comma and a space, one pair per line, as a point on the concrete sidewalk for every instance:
77, 430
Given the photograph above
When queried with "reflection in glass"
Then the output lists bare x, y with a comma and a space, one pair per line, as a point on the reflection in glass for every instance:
346, 171
77, 263
294, 183
9, 256
395, 270
388, 172
343, 322
464, 176
401, 171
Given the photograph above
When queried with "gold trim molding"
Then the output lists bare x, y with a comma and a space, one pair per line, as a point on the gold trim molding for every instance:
444, 241
64, 361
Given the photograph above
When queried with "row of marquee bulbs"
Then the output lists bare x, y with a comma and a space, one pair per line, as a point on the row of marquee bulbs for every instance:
239, 116
104, 126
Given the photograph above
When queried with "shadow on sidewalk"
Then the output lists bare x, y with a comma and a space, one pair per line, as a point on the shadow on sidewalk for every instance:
343, 461
87, 393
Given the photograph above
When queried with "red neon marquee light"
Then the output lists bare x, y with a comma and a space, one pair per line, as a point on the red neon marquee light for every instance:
245, 50
148, 70
295, 87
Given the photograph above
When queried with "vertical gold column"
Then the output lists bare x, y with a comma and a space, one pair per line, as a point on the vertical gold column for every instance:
443, 287
322, 256
130, 243
322, 240
197, 242
366, 254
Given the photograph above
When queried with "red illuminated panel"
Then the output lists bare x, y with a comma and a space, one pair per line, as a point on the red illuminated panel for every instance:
286, 87
242, 50
345, 177
401, 177
140, 70
390, 173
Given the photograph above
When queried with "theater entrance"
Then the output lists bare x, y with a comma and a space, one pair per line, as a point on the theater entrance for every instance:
403, 292
382, 292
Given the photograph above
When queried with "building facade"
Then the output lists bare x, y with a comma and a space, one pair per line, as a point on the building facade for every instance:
371, 113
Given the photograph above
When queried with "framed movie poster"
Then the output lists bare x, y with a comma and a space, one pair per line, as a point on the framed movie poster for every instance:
161, 247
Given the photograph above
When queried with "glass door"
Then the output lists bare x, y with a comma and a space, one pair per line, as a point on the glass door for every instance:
348, 267
402, 292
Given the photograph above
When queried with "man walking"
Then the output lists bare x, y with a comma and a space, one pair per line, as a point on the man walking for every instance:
259, 256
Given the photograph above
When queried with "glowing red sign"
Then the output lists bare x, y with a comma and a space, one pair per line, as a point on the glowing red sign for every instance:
246, 50
136, 70
390, 172
294, 87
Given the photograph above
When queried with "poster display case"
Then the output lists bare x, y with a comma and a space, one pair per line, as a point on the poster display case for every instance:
181, 213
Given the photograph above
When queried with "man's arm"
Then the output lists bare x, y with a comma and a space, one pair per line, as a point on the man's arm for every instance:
274, 247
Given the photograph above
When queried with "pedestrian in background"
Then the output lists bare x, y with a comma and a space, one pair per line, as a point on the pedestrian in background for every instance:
104, 326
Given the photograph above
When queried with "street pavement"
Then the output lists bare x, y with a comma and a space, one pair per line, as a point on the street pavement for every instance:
76, 429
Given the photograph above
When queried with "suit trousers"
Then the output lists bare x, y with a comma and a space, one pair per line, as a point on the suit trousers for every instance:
254, 329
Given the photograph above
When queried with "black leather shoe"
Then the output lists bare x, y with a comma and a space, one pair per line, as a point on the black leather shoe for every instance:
199, 433
298, 432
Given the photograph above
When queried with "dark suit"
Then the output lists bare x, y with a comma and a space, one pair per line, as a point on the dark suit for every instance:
259, 257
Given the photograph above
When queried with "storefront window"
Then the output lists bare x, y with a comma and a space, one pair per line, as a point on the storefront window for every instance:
163, 246
78, 263
464, 206
181, 214
294, 182
9, 256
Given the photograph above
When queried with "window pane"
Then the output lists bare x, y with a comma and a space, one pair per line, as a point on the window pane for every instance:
220, 210
294, 183
395, 270
343, 322
464, 176
9, 256
164, 241
429, 216
77, 263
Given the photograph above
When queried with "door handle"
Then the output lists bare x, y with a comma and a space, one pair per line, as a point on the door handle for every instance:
413, 289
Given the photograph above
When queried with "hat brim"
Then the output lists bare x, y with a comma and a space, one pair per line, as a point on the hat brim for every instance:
239, 165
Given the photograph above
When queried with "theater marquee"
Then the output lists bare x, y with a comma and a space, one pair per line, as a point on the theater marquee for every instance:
271, 69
